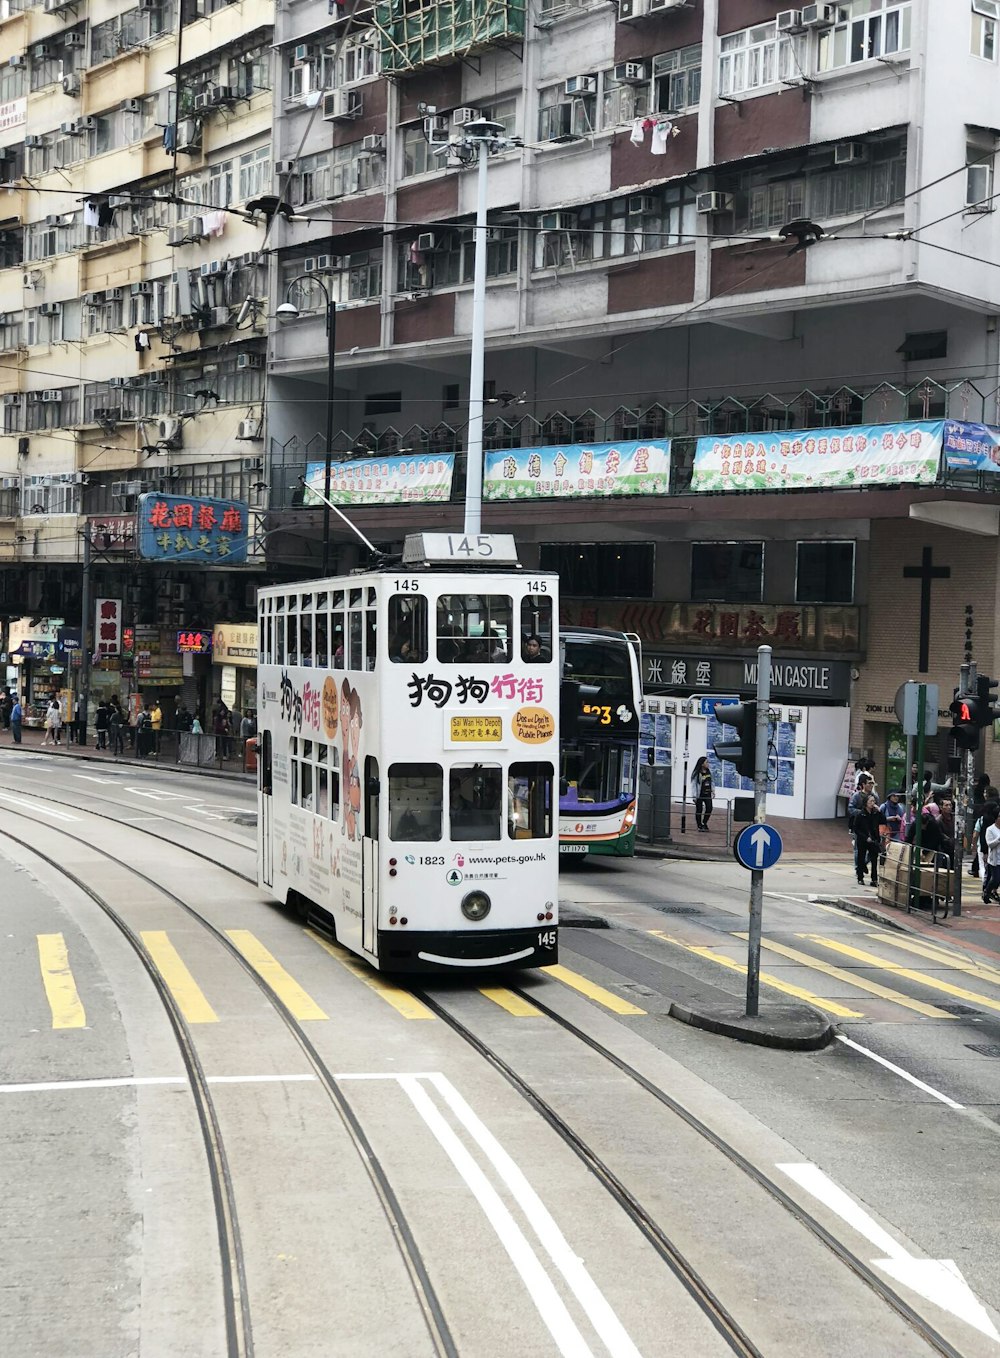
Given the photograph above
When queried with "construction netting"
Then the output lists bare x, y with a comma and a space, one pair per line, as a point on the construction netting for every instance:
412, 35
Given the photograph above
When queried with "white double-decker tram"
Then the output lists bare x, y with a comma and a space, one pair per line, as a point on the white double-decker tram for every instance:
408, 749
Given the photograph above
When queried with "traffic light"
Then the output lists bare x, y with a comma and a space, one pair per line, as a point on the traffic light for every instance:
965, 721
742, 753
986, 714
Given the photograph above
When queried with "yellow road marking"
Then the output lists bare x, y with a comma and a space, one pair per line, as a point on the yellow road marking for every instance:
506, 999
288, 990
947, 959
60, 988
182, 985
922, 978
786, 988
873, 987
592, 991
401, 1000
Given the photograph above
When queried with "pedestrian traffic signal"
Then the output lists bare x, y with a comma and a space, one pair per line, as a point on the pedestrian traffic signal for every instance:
742, 752
965, 721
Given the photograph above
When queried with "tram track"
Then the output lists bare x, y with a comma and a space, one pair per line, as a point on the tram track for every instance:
238, 1325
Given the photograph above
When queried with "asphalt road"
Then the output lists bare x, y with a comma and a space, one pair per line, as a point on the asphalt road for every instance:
111, 1239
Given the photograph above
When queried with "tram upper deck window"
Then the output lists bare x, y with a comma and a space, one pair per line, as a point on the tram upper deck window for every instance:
475, 799
474, 628
536, 628
416, 799
529, 801
407, 629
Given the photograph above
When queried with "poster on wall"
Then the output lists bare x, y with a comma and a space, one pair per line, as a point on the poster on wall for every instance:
656, 734
577, 470
382, 480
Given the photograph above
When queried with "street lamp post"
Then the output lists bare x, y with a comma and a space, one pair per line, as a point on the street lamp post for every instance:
288, 311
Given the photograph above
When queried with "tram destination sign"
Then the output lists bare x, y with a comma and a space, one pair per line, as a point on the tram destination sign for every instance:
462, 549
477, 730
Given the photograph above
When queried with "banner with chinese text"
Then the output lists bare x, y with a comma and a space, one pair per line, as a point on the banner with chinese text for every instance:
107, 627
577, 470
810, 459
383, 480
971, 447
177, 528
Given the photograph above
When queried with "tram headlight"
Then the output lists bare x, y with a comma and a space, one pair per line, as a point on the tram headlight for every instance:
476, 905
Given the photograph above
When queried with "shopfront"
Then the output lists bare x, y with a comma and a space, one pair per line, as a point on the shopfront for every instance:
234, 653
38, 667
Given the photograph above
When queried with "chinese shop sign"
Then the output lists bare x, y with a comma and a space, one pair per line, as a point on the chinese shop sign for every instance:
194, 643
107, 627
112, 532
576, 470
176, 528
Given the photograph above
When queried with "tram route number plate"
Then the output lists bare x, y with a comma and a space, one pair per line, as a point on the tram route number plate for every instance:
475, 729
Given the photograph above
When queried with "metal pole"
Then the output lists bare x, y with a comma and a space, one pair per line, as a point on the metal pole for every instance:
85, 662
331, 363
684, 789
760, 816
919, 829
474, 441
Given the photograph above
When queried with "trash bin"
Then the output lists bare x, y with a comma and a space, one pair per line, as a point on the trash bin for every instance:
250, 755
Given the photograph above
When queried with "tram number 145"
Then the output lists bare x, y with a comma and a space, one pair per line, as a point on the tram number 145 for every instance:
547, 938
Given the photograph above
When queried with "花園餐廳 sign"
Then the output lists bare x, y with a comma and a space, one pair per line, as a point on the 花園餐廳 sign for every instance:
806, 459
578, 470
189, 531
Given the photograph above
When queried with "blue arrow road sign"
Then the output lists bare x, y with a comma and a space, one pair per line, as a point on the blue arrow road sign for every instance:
757, 846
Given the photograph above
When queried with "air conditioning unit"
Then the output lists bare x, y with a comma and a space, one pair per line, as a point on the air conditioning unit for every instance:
373, 143
71, 84
18, 59
340, 105
284, 167
12, 398
122, 490
114, 294
642, 205
75, 41
50, 309
217, 316
54, 6
51, 395
669, 4
116, 382
426, 242
141, 289
88, 124
822, 16
169, 431
68, 129
319, 263
557, 221
631, 73
581, 84
461, 116
34, 139
10, 483
433, 127
149, 4
789, 21
850, 153
714, 202
188, 135
29, 281
52, 219
250, 361
201, 102
221, 94
301, 53
132, 106
192, 228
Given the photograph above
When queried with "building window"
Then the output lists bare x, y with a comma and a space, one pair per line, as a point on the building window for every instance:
10, 330
502, 111
452, 259
873, 28
677, 80
824, 572
13, 82
622, 102
919, 346
600, 570
360, 61
985, 15
631, 225
254, 173
334, 173
754, 58
418, 154
383, 403
562, 117
364, 275
980, 151
50, 410
727, 572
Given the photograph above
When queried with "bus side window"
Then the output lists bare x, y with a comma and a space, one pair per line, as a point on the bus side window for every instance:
475, 801
536, 628
407, 629
416, 796
529, 801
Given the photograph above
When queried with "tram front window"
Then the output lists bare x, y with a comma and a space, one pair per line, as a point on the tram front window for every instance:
416, 797
475, 801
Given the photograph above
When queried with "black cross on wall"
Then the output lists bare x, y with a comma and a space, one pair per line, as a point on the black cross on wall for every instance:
926, 572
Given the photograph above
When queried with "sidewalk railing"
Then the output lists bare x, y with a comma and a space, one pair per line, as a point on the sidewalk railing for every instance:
932, 880
225, 753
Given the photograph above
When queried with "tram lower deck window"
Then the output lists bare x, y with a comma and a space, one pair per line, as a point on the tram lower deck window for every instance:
529, 801
475, 801
416, 802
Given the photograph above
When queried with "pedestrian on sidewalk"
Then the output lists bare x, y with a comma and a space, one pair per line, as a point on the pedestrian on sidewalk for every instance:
702, 791
16, 717
980, 796
53, 723
946, 824
156, 722
855, 808
868, 826
893, 810
6, 706
116, 726
991, 882
102, 720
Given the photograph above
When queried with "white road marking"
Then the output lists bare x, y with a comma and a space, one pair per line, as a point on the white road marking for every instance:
550, 1306
137, 1081
937, 1280
91, 779
595, 1305
898, 1070
157, 794
138, 820
35, 806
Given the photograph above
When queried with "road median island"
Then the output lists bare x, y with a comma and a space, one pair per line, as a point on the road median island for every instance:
791, 1027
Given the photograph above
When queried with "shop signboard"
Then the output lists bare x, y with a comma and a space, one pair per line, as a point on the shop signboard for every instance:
382, 480
191, 532
823, 680
578, 470
724, 626
808, 459
235, 643
193, 641
112, 532
107, 628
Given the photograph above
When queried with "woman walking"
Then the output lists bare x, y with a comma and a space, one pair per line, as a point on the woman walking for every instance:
53, 723
868, 827
702, 792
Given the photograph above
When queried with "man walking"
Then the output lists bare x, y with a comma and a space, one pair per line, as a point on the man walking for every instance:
855, 808
16, 717
991, 882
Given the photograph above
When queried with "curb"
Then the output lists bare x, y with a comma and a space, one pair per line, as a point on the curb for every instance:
196, 771
788, 1027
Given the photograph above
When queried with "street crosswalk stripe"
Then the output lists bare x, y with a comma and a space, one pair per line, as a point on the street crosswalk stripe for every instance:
893, 968
60, 987
401, 1000
786, 988
181, 984
970, 965
506, 999
849, 978
288, 990
592, 991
